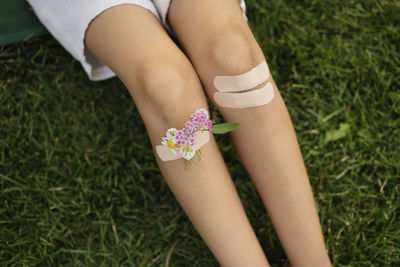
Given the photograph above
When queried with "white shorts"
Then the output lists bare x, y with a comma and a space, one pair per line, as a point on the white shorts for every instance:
67, 21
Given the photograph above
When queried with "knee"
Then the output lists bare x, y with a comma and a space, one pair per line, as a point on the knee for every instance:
234, 50
169, 90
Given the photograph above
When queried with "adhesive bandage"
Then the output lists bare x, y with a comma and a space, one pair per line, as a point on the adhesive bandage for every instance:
244, 81
187, 142
248, 99
166, 154
232, 90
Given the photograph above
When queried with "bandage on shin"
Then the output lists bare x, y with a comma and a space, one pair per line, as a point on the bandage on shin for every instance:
184, 143
166, 154
231, 88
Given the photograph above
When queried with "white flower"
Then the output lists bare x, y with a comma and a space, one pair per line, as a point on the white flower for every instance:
170, 141
187, 152
171, 132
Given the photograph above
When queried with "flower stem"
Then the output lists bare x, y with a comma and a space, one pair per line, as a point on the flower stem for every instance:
200, 154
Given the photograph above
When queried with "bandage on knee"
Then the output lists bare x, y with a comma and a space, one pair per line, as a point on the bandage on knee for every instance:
230, 89
244, 81
166, 153
248, 99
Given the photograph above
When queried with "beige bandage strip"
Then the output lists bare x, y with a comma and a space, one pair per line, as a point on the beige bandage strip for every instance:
165, 153
248, 99
244, 81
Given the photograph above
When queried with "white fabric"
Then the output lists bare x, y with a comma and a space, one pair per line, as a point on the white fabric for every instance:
67, 21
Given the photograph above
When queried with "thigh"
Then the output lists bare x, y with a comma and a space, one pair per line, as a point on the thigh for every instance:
127, 38
131, 41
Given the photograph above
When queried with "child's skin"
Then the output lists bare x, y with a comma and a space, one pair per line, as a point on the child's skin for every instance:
167, 88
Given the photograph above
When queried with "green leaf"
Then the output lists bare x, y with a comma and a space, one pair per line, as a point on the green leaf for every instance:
225, 127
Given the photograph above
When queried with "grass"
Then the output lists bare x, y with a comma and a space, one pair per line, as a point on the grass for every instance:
80, 186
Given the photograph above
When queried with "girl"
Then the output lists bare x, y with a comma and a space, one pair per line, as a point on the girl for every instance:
131, 39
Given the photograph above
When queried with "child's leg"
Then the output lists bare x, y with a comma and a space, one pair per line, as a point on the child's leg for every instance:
218, 41
166, 90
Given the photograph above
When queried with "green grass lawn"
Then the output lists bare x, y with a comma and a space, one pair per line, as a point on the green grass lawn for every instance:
79, 184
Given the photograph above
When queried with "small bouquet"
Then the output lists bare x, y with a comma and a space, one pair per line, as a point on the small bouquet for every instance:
187, 141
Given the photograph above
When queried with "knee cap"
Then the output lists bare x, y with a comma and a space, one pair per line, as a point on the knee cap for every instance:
231, 51
167, 88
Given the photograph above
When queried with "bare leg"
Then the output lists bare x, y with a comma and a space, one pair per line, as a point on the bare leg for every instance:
218, 41
166, 90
